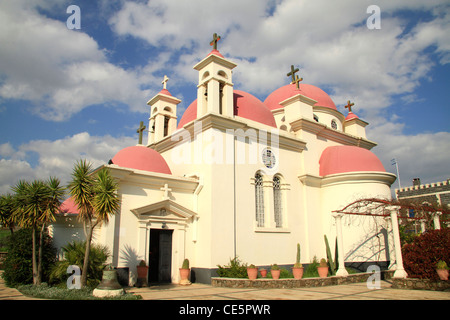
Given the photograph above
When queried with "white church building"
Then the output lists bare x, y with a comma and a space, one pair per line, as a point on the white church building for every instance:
240, 177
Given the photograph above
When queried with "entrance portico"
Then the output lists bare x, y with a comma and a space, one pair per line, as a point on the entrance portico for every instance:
164, 215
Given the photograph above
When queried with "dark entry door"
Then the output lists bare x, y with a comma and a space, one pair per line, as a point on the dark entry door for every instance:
160, 255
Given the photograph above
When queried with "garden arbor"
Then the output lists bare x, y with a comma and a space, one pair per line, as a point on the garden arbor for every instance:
391, 211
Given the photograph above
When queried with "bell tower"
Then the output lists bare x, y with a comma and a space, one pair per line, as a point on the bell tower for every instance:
215, 86
163, 114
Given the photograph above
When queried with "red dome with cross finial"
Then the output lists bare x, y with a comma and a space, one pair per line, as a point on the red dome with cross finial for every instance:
323, 99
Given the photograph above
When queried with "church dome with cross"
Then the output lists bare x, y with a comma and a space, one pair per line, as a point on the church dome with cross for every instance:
323, 99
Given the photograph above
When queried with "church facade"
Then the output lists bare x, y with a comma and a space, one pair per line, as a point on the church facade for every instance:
239, 177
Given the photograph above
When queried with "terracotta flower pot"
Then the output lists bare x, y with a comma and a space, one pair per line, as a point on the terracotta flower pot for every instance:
263, 272
443, 274
184, 275
252, 273
275, 274
297, 272
142, 271
323, 271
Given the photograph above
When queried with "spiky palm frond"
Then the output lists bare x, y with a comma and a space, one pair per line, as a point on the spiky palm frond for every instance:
81, 188
106, 201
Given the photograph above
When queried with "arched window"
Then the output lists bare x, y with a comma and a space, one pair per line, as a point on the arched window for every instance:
259, 199
166, 125
277, 202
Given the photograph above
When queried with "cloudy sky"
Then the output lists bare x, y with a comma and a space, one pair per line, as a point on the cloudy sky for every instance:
67, 94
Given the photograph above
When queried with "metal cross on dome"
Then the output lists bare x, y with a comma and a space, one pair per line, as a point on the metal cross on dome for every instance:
293, 72
349, 106
214, 41
297, 81
140, 130
295, 78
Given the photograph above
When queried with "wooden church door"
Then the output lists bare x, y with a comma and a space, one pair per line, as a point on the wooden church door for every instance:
160, 255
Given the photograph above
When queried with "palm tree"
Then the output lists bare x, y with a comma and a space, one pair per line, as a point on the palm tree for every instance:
35, 204
96, 198
6, 212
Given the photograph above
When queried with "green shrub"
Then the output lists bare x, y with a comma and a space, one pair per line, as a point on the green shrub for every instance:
18, 266
74, 255
284, 274
311, 269
44, 291
234, 270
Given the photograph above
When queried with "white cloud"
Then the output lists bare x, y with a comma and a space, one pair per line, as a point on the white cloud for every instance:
55, 158
423, 155
60, 71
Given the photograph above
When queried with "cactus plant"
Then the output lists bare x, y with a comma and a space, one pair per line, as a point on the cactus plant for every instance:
297, 270
330, 257
297, 261
185, 264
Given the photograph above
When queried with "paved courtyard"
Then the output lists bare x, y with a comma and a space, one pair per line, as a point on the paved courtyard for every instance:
355, 291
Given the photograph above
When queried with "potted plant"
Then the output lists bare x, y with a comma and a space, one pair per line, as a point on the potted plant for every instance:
275, 271
297, 270
263, 272
442, 270
323, 268
142, 271
252, 272
184, 273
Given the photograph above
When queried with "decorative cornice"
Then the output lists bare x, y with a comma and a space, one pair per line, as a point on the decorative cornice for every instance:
359, 176
215, 58
163, 97
323, 131
153, 180
347, 177
223, 123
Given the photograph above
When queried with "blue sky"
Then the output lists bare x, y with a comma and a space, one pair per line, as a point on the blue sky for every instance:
70, 94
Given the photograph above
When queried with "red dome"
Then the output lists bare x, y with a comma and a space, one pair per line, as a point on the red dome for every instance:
310, 91
351, 116
245, 106
69, 206
340, 159
141, 158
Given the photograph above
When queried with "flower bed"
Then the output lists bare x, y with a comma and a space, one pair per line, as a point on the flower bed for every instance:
292, 283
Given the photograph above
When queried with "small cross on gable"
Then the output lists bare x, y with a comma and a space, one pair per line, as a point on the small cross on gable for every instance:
140, 130
214, 41
166, 190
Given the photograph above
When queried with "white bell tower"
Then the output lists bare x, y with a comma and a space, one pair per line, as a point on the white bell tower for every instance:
163, 114
215, 86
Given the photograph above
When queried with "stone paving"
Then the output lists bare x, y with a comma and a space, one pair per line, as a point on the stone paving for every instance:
354, 291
